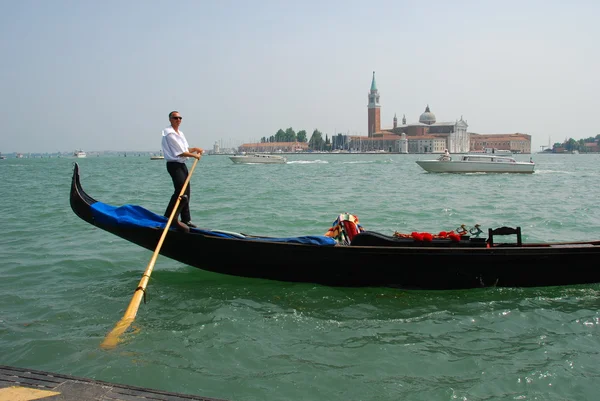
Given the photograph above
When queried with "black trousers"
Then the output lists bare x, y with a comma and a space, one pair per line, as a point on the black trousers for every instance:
179, 173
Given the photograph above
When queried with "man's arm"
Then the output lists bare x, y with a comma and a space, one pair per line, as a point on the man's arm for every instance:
191, 154
174, 145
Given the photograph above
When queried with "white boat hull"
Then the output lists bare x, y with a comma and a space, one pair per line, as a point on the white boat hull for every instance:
262, 159
461, 166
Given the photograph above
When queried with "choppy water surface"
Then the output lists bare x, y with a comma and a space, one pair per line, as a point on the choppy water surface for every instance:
64, 284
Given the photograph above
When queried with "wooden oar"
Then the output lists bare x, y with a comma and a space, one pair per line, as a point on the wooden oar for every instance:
112, 339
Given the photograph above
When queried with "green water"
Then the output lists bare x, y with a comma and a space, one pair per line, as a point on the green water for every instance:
64, 284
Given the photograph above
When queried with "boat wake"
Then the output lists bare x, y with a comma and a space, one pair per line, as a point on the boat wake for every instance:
387, 161
308, 162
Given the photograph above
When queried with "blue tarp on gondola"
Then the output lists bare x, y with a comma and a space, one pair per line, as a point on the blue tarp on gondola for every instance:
137, 217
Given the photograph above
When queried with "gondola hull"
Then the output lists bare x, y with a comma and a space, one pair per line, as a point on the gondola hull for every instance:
373, 261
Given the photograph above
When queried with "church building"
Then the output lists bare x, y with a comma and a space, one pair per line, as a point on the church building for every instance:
430, 136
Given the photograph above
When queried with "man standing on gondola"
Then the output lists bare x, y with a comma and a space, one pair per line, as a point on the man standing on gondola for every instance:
176, 150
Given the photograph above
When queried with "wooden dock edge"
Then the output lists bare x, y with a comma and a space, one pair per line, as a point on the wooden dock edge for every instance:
28, 384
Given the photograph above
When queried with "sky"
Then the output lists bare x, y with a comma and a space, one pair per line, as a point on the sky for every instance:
104, 75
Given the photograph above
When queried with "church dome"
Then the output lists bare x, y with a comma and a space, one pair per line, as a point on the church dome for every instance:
427, 117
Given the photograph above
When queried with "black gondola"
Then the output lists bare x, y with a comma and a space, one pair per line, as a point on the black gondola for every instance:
369, 260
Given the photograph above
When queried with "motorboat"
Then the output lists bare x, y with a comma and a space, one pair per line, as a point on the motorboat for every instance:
477, 163
79, 153
498, 152
158, 156
493, 151
349, 255
258, 158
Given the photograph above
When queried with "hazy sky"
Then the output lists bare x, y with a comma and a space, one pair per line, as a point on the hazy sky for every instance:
103, 75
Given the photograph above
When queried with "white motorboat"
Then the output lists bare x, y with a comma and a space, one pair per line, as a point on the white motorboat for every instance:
493, 151
158, 156
477, 163
79, 153
258, 158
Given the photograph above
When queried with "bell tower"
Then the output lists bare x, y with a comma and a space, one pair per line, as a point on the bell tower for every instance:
374, 109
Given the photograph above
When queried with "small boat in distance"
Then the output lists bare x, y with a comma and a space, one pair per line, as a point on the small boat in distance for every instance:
2, 157
477, 163
157, 157
79, 153
258, 158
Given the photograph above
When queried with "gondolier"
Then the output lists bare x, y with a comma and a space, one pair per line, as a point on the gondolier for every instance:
176, 150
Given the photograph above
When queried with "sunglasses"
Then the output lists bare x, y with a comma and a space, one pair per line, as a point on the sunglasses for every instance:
177, 118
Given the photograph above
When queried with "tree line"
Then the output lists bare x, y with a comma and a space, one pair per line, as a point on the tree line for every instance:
316, 141
574, 144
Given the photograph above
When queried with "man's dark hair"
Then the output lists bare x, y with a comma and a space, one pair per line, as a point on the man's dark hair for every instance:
171, 113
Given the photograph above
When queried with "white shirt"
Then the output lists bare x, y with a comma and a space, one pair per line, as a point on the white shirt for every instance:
174, 144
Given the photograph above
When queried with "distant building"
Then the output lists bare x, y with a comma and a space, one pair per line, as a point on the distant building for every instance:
592, 147
380, 142
431, 136
374, 123
516, 143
